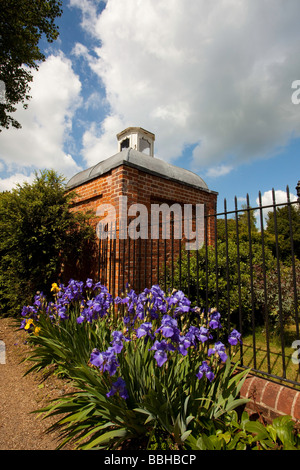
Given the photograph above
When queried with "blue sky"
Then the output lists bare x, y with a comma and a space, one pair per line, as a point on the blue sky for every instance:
212, 80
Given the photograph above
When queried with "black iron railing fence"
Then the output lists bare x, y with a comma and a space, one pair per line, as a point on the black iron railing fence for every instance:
248, 268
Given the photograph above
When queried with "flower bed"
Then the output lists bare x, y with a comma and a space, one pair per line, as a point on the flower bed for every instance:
148, 369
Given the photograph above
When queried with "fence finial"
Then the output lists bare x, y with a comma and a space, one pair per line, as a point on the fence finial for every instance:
298, 190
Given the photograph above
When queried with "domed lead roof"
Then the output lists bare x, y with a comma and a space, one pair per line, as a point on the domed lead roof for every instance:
143, 162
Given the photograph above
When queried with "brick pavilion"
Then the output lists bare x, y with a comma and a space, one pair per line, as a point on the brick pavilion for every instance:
144, 179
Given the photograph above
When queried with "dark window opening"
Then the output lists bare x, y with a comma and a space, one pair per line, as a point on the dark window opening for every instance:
125, 144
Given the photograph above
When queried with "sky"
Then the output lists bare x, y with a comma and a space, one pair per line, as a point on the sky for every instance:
213, 80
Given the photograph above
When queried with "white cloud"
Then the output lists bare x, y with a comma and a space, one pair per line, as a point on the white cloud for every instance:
6, 184
100, 143
219, 170
80, 50
46, 124
89, 13
215, 74
280, 197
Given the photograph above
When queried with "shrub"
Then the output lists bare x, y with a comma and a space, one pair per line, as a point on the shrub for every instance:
39, 235
270, 303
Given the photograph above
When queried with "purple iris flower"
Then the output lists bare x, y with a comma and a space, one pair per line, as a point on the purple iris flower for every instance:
182, 302
220, 349
38, 300
149, 303
117, 342
111, 365
126, 319
96, 307
97, 358
157, 291
98, 285
214, 322
160, 305
106, 360
183, 344
144, 329
132, 296
89, 283
81, 318
130, 300
28, 310
62, 313
205, 369
118, 386
169, 328
73, 291
234, 338
140, 311
161, 348
203, 334
192, 335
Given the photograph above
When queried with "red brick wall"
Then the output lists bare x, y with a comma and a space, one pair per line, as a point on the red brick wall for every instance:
140, 187
270, 399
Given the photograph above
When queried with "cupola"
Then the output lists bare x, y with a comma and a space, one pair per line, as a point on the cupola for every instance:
138, 139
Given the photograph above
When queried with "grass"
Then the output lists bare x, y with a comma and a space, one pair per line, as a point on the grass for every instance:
269, 356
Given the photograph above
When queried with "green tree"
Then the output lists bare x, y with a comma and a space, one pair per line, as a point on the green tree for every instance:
283, 216
232, 228
224, 282
246, 220
22, 24
41, 240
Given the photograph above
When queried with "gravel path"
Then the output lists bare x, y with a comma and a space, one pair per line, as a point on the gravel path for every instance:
19, 396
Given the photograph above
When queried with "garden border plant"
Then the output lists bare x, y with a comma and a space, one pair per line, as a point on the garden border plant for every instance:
147, 369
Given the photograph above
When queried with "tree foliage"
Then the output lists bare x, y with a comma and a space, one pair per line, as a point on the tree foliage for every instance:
224, 281
238, 228
39, 239
287, 222
22, 25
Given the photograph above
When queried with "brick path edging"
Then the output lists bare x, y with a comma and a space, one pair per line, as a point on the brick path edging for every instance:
270, 399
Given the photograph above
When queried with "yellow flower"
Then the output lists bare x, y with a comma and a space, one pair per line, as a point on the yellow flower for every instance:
28, 323
37, 330
55, 288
